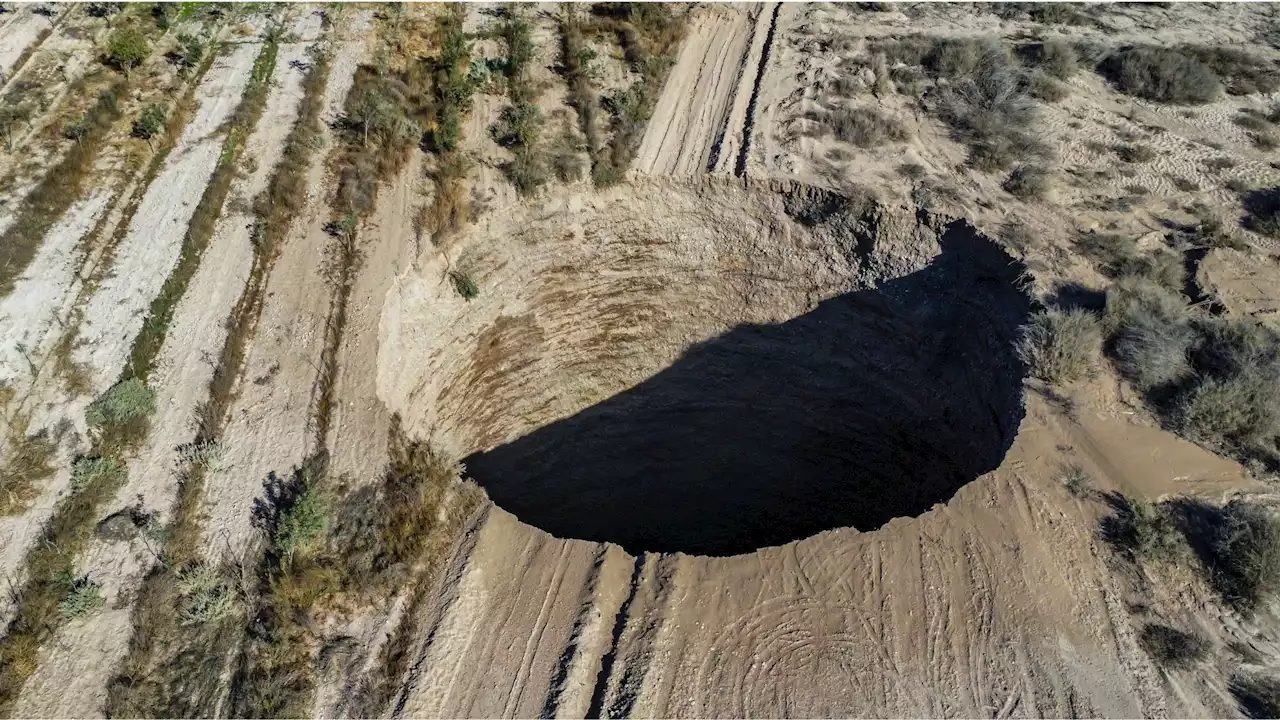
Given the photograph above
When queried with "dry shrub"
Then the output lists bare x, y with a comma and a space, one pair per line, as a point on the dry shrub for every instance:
1162, 74
1043, 87
1135, 153
1060, 346
1152, 333
1243, 555
985, 103
1028, 182
1262, 208
1241, 72
865, 127
1214, 380
29, 461
1171, 647
1143, 530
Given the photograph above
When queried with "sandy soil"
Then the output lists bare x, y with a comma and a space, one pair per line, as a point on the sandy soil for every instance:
690, 133
140, 267
600, 315
276, 391
1243, 283
19, 32
149, 251
84, 658
27, 313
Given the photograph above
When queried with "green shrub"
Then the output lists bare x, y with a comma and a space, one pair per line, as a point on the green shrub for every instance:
1075, 479
302, 523
84, 599
150, 123
125, 403
865, 127
127, 48
188, 53
96, 472
464, 284
1061, 346
1170, 647
517, 126
1162, 74
207, 595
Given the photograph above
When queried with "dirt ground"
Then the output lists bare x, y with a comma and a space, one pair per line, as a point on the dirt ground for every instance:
662, 387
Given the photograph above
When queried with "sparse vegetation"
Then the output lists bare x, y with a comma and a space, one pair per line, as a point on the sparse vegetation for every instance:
1242, 554
1028, 182
985, 100
1262, 208
186, 618
1143, 529
28, 462
1061, 346
376, 537
58, 189
520, 124
649, 34
1076, 479
1170, 647
865, 127
1215, 380
1135, 153
1162, 74
1118, 256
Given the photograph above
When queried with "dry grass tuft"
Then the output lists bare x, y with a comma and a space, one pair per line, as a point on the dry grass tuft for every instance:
1060, 346
1171, 647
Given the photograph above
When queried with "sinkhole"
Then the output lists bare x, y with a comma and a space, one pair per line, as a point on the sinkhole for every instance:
716, 369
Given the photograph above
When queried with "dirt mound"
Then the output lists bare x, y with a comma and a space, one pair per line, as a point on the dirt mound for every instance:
711, 374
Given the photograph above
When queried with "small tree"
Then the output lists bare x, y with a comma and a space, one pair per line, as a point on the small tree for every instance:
127, 49
150, 122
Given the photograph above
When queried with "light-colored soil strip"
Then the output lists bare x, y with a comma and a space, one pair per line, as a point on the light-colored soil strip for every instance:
267, 430
59, 189
71, 680
164, 650
57, 400
51, 563
19, 39
154, 245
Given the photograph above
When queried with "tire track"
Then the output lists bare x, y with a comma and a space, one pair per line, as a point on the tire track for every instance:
749, 125
619, 626
535, 637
